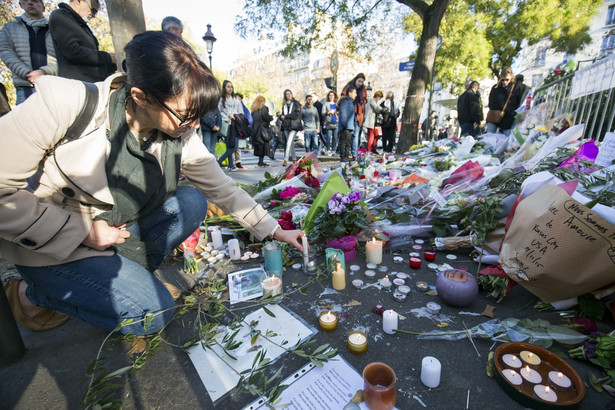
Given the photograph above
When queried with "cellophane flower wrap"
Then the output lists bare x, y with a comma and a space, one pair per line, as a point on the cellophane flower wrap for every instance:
343, 215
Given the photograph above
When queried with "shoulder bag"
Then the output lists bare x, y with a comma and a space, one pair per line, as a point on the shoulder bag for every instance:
495, 116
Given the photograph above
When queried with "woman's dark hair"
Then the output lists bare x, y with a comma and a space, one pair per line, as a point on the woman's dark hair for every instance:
284, 97
224, 96
334, 96
356, 77
163, 66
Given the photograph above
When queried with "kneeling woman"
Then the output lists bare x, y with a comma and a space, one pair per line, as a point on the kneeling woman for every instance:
104, 209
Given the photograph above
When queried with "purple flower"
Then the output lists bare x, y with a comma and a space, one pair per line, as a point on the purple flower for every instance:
333, 204
338, 209
356, 207
354, 196
346, 199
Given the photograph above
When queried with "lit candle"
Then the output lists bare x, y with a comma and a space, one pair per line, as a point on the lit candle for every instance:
560, 381
389, 321
531, 375
272, 284
216, 238
512, 376
511, 361
415, 263
338, 277
430, 372
273, 256
429, 254
233, 249
385, 282
328, 321
373, 251
545, 393
422, 286
530, 358
357, 342
306, 254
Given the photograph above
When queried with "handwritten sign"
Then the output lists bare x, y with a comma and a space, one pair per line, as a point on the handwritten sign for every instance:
606, 155
557, 248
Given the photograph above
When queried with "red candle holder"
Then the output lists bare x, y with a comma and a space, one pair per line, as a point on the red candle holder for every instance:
415, 263
429, 254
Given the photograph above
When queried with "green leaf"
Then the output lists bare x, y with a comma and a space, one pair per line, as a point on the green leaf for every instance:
316, 362
565, 335
591, 307
320, 348
118, 372
269, 312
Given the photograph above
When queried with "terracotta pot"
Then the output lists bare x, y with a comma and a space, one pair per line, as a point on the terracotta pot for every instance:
346, 244
457, 287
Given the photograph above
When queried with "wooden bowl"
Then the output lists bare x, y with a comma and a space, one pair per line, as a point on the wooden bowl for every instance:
524, 394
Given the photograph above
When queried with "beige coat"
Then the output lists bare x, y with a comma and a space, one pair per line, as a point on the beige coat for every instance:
46, 227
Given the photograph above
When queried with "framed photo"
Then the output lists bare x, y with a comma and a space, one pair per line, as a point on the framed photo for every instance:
245, 284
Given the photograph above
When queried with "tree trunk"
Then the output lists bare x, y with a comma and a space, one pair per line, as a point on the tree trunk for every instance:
126, 20
421, 75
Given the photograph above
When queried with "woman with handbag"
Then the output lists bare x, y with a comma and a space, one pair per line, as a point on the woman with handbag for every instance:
106, 208
291, 124
261, 133
229, 106
372, 110
329, 110
503, 103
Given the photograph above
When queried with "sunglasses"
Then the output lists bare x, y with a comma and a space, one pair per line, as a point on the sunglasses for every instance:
182, 121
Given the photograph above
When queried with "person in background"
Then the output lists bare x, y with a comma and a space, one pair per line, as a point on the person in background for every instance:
323, 147
89, 249
262, 119
503, 97
346, 123
311, 125
248, 115
173, 25
330, 126
469, 110
229, 106
372, 109
291, 124
359, 108
26, 48
389, 125
210, 125
75, 45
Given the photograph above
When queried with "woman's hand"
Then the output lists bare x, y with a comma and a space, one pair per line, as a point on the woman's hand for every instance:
101, 235
291, 237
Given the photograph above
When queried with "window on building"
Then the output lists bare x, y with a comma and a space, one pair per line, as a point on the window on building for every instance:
610, 16
608, 45
536, 80
541, 56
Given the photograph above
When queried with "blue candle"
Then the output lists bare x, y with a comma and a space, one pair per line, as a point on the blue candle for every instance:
273, 256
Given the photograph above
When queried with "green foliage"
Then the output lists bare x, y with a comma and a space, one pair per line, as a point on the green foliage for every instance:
346, 217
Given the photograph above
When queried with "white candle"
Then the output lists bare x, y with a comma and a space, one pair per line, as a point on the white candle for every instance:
385, 282
389, 321
511, 361
531, 375
512, 376
559, 380
430, 372
233, 248
306, 254
545, 393
216, 238
373, 251
273, 284
530, 358
357, 338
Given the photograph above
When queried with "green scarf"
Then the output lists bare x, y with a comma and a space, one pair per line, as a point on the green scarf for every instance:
136, 181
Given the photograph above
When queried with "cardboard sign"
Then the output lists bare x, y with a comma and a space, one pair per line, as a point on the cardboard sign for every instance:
557, 248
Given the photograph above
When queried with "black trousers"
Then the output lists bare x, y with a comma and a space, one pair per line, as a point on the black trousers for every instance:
388, 138
345, 144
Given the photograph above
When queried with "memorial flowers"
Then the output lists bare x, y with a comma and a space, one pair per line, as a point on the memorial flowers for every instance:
342, 216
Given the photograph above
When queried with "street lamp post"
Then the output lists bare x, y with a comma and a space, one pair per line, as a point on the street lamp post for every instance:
209, 42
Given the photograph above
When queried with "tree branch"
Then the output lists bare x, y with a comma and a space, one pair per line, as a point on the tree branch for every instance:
418, 6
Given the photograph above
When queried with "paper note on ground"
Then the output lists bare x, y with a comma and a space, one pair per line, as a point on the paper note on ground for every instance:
218, 371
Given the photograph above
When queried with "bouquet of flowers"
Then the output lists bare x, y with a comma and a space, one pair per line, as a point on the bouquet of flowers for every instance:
309, 166
342, 216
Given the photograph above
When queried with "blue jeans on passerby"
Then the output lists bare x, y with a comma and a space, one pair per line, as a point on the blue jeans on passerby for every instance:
311, 141
356, 138
22, 93
106, 290
209, 139
331, 139
467, 128
228, 154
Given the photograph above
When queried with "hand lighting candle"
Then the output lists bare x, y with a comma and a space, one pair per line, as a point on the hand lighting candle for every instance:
430, 372
389, 321
216, 238
357, 342
373, 251
338, 277
328, 321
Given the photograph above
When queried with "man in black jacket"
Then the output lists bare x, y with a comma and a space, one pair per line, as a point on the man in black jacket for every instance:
76, 46
470, 110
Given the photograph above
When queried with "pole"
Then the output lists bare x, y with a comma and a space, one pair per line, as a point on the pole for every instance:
433, 69
210, 67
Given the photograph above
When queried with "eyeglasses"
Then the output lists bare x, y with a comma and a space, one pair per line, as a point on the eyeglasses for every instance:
182, 121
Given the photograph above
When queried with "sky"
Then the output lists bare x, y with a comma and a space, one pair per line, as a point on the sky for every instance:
195, 15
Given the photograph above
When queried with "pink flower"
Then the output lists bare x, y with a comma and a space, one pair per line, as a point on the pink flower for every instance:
289, 192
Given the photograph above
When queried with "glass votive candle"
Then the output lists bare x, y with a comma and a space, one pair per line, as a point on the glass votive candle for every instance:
379, 382
272, 286
357, 342
415, 263
429, 254
422, 286
327, 321
399, 296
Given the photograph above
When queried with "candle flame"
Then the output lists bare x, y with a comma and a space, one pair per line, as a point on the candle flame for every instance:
512, 372
373, 239
386, 276
547, 389
560, 375
527, 368
530, 355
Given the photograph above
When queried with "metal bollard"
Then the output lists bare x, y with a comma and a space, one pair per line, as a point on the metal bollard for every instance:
11, 343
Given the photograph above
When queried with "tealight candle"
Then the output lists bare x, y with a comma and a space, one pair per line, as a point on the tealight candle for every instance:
371, 266
545, 393
530, 358
385, 282
338, 277
404, 289
373, 251
512, 376
429, 254
272, 284
370, 273
422, 286
415, 263
402, 275
531, 375
216, 238
389, 321
328, 321
433, 307
430, 372
398, 259
357, 342
399, 282
399, 296
511, 361
272, 251
560, 381
357, 283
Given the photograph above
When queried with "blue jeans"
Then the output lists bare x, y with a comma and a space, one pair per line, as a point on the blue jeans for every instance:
331, 139
22, 94
209, 139
356, 138
228, 154
311, 141
493, 128
467, 128
106, 290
